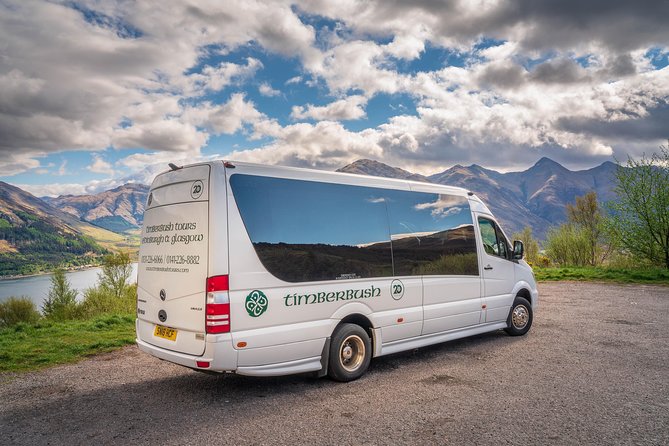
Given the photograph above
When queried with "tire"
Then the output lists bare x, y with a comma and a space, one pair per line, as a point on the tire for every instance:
350, 353
520, 317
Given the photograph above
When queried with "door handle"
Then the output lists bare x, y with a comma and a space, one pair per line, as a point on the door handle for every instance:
487, 267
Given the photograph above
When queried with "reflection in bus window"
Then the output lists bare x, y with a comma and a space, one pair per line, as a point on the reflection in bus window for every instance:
431, 234
308, 231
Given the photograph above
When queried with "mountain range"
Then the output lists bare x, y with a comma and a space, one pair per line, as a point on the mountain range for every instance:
49, 230
120, 209
35, 236
535, 197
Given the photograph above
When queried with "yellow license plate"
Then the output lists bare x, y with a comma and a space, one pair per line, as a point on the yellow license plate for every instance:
165, 333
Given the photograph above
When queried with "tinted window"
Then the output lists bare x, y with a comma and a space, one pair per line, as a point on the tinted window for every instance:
432, 234
494, 242
306, 231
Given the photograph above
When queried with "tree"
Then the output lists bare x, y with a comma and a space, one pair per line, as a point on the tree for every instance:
116, 270
588, 216
640, 217
530, 243
61, 302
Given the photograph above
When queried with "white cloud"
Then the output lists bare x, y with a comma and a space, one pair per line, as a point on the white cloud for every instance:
266, 89
341, 110
101, 166
294, 80
136, 80
225, 118
324, 145
169, 135
15, 163
224, 75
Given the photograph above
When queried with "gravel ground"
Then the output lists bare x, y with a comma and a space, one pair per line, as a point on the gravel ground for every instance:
594, 369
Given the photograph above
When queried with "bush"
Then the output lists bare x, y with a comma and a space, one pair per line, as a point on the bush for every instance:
568, 245
17, 310
100, 300
61, 303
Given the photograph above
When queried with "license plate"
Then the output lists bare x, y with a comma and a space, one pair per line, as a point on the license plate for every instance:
166, 333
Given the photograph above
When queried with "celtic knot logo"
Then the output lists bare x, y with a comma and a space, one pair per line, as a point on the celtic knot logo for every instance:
256, 303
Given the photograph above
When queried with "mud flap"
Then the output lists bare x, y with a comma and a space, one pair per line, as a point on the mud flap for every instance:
325, 359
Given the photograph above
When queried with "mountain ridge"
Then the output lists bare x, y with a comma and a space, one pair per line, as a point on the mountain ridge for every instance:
120, 209
534, 197
36, 236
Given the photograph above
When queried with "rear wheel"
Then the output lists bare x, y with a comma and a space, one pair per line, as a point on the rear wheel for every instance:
520, 317
350, 353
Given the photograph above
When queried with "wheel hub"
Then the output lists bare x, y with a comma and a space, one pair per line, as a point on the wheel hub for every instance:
520, 317
352, 353
347, 353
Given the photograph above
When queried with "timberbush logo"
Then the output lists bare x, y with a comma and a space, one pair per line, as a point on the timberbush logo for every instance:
256, 303
293, 300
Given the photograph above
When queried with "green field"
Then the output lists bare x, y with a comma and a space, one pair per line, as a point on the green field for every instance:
658, 276
32, 346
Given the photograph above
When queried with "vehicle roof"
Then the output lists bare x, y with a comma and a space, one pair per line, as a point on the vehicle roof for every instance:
313, 174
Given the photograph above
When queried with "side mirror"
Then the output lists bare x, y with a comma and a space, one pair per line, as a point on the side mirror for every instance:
518, 250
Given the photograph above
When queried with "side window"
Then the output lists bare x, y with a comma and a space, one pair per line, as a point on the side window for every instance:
432, 234
306, 231
494, 242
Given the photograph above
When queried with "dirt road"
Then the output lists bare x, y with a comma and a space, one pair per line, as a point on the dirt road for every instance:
594, 369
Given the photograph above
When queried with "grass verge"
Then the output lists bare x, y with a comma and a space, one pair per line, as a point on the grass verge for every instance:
658, 276
33, 346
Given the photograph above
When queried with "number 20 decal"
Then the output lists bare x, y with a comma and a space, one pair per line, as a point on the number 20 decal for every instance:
397, 289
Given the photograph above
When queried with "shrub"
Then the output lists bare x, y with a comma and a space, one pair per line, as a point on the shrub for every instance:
568, 245
16, 310
61, 303
100, 300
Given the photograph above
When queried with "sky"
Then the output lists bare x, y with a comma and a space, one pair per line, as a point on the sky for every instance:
94, 94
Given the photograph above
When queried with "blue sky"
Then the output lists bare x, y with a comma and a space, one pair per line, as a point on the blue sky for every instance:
94, 94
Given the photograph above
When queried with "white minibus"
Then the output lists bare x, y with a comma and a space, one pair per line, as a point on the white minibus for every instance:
264, 270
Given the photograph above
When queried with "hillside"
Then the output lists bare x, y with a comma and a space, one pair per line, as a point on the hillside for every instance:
534, 197
35, 236
120, 210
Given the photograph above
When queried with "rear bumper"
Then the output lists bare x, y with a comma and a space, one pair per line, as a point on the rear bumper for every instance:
221, 356
218, 353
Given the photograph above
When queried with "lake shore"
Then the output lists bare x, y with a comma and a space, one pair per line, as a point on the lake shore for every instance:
46, 273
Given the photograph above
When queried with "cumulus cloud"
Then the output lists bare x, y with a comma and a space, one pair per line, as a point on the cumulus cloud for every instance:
101, 166
573, 80
266, 89
71, 73
224, 118
341, 110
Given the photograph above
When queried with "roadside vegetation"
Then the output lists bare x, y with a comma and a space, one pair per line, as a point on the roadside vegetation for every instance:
67, 329
626, 240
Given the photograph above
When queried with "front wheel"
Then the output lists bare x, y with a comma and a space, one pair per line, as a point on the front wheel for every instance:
350, 353
520, 317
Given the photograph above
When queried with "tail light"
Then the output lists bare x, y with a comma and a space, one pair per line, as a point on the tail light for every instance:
218, 305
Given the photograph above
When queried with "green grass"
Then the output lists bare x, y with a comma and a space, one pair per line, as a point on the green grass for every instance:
33, 346
599, 274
